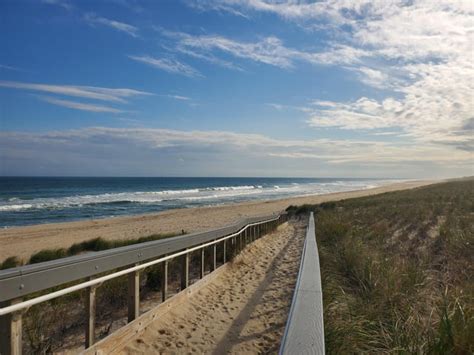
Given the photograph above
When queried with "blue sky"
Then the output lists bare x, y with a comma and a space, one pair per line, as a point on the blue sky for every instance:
236, 88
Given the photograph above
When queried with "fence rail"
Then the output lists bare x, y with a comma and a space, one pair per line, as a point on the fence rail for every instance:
16, 284
304, 333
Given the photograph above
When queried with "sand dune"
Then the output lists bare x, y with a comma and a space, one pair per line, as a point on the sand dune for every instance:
24, 241
244, 310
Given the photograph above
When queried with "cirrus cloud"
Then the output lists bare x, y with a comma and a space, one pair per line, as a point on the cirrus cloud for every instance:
419, 52
218, 153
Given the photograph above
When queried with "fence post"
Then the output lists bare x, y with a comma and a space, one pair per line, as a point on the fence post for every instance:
234, 246
90, 293
11, 331
202, 263
184, 271
133, 295
224, 251
214, 256
164, 280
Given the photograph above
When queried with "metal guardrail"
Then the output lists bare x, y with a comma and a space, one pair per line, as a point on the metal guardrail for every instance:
19, 282
304, 332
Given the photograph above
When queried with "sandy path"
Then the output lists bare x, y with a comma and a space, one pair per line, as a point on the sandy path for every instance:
243, 310
24, 241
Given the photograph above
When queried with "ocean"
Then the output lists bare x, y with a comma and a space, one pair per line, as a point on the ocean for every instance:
37, 200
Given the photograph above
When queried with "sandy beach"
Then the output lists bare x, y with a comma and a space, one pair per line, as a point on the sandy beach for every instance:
242, 311
24, 241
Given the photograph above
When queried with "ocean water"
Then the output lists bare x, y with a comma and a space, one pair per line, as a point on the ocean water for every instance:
36, 200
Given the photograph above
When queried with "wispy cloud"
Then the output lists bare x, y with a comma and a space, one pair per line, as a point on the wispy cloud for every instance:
84, 92
234, 151
89, 92
420, 52
281, 107
79, 105
269, 50
167, 64
93, 19
340, 12
65, 4
177, 97
9, 67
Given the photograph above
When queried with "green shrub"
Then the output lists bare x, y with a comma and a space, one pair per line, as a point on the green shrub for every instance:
47, 255
10, 262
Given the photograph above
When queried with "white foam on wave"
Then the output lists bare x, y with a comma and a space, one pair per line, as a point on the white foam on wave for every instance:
213, 195
133, 197
15, 207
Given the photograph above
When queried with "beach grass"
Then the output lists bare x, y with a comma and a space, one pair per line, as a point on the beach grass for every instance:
47, 324
397, 270
95, 244
10, 262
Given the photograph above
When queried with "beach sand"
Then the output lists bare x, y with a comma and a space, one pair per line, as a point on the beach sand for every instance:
25, 241
242, 311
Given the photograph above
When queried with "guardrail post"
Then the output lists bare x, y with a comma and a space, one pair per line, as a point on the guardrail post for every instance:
234, 247
133, 295
11, 330
90, 293
214, 257
202, 264
185, 271
224, 257
164, 280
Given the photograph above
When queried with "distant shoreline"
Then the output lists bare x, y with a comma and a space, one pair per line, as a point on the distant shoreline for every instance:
24, 241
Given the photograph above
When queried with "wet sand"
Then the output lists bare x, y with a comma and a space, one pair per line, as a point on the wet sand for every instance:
24, 241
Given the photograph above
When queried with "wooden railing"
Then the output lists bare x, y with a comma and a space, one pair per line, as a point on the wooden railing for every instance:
304, 333
18, 283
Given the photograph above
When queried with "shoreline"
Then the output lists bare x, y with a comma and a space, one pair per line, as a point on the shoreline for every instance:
23, 241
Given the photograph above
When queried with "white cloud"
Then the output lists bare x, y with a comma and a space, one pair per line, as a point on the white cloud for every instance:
288, 10
62, 3
167, 64
269, 50
373, 77
89, 92
419, 51
253, 147
93, 19
9, 67
280, 107
80, 106
177, 97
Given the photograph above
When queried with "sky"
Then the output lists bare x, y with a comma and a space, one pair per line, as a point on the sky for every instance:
348, 88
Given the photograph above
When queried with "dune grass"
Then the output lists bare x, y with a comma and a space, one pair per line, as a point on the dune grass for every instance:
96, 244
398, 270
10, 262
